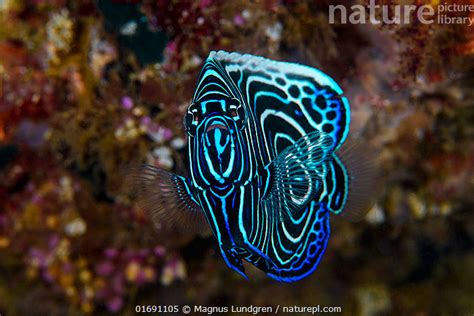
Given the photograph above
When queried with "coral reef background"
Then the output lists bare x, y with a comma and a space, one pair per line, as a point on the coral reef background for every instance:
89, 88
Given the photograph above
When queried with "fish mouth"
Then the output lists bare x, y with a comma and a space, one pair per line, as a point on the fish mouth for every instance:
218, 125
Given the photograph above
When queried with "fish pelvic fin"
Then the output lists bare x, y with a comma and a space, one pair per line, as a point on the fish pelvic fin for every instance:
295, 177
233, 260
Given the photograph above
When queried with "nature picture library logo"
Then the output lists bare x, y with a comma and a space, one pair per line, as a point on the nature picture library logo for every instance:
376, 13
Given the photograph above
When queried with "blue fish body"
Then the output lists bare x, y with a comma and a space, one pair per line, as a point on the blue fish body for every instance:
262, 143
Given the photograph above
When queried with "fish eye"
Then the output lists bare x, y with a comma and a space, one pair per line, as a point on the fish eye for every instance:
193, 117
233, 102
234, 108
233, 112
191, 120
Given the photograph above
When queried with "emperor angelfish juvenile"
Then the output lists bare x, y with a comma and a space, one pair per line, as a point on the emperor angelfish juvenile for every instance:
263, 139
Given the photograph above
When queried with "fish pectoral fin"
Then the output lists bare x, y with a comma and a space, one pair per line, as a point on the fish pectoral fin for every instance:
168, 199
233, 260
296, 175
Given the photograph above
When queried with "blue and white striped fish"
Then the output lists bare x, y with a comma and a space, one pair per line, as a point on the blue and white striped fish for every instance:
264, 172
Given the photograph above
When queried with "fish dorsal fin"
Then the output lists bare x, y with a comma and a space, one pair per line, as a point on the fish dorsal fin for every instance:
287, 100
296, 175
261, 63
168, 199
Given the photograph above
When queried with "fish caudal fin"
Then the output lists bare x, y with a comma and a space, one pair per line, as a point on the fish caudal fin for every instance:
168, 199
297, 174
353, 180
